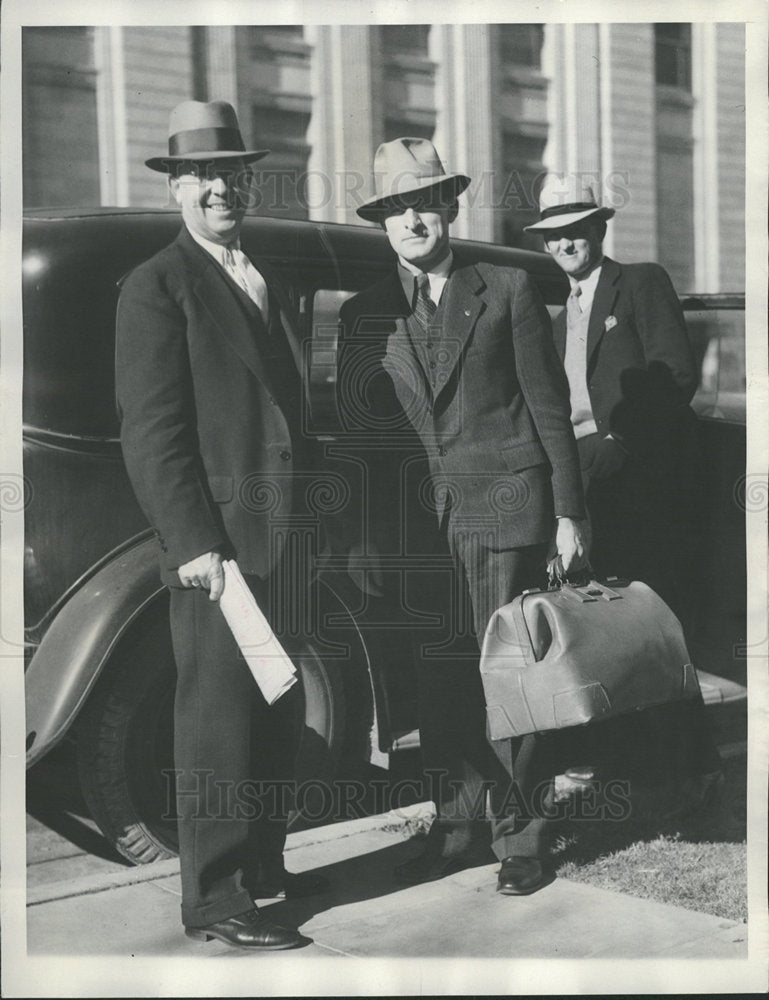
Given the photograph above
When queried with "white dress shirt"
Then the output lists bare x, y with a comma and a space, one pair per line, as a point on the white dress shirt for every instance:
438, 276
241, 270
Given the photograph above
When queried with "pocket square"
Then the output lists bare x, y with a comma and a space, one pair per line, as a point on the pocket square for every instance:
611, 322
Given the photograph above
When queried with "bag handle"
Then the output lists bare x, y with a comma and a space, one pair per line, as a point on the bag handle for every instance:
580, 583
558, 578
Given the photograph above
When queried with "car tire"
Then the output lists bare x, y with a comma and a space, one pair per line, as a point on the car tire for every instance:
125, 739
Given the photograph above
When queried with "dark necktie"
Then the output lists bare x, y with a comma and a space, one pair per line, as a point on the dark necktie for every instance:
424, 307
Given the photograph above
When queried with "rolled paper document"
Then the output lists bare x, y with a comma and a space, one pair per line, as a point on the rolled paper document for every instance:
267, 660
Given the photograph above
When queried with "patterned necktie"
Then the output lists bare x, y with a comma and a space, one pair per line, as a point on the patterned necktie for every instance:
240, 268
424, 307
573, 308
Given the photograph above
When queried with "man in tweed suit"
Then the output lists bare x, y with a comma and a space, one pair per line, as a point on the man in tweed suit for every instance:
464, 351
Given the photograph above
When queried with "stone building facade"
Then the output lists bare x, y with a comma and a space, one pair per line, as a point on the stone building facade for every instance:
655, 111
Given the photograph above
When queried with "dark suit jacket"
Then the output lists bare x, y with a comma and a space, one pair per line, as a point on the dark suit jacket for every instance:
206, 444
640, 369
496, 425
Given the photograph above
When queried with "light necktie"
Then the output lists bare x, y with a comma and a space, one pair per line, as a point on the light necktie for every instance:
573, 307
240, 268
424, 307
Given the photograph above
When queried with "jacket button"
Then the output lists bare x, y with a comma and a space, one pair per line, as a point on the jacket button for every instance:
442, 450
285, 455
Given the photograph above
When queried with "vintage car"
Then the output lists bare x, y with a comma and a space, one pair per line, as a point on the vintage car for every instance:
100, 670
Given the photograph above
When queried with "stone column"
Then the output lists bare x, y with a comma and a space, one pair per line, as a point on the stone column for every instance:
628, 138
342, 126
465, 131
221, 64
706, 151
111, 115
571, 61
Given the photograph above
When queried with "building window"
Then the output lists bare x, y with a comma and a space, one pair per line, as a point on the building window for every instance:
521, 44
409, 81
675, 152
673, 55
520, 112
274, 63
406, 38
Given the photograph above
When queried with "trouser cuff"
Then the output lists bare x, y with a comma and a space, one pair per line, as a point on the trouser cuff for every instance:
222, 909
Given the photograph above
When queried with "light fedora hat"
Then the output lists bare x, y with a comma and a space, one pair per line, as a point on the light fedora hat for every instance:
203, 130
405, 166
567, 198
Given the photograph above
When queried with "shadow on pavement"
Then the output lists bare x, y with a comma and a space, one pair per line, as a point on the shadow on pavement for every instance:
354, 880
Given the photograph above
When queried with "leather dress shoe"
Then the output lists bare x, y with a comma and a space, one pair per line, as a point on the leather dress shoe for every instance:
428, 868
249, 930
290, 886
521, 876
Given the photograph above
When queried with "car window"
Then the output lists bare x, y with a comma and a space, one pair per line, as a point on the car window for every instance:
718, 339
324, 306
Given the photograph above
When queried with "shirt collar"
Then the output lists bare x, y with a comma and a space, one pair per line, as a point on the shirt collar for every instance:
587, 285
217, 250
407, 272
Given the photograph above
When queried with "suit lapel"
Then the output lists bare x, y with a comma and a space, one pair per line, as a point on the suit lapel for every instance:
461, 310
288, 318
400, 360
212, 290
603, 302
559, 334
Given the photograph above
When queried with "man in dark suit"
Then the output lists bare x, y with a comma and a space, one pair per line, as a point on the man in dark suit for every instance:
624, 345
461, 354
209, 393
623, 342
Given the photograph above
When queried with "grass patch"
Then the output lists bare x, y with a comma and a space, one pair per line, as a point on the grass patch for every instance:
696, 861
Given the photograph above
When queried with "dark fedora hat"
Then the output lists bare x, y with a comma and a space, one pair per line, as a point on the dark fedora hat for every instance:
200, 131
404, 167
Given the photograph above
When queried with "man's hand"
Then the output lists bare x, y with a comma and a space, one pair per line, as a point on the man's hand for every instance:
204, 571
571, 543
609, 458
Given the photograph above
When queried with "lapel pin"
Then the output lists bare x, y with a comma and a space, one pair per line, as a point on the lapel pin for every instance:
611, 322
467, 312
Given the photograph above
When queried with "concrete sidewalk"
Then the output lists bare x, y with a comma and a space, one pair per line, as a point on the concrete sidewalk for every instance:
135, 912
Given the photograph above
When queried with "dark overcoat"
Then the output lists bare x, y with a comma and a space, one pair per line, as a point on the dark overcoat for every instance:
640, 368
207, 445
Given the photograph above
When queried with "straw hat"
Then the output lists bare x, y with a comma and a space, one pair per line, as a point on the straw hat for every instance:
567, 198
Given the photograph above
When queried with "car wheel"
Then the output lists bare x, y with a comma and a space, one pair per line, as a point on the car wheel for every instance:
125, 739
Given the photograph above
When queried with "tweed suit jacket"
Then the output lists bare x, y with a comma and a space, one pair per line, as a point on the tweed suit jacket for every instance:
494, 421
207, 446
640, 369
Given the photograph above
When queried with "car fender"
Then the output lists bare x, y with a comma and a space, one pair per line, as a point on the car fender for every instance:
81, 639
